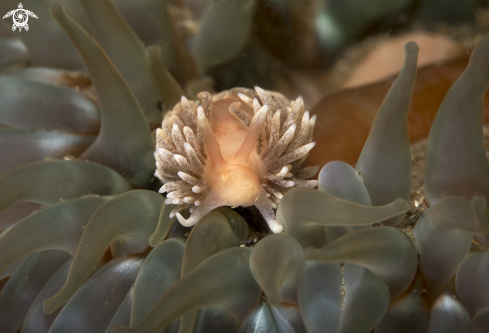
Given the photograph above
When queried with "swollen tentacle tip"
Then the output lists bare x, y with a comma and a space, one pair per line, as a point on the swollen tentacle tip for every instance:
479, 201
56, 10
50, 305
153, 241
402, 204
411, 48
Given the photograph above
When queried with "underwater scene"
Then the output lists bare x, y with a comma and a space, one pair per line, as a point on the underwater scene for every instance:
244, 166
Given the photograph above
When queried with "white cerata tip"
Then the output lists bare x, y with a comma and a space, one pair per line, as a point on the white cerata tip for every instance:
276, 227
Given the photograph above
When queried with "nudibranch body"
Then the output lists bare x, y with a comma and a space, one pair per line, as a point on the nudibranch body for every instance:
241, 147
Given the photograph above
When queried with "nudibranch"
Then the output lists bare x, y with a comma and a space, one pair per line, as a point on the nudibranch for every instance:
241, 147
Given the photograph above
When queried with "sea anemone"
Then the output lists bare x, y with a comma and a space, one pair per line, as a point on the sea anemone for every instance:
104, 252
